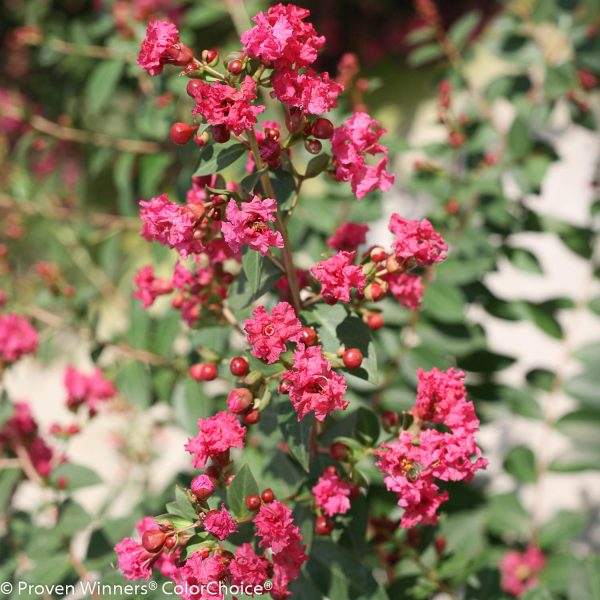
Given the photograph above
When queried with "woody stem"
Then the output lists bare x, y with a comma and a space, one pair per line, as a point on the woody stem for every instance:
288, 261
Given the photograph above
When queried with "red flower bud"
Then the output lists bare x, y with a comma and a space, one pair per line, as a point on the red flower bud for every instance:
153, 540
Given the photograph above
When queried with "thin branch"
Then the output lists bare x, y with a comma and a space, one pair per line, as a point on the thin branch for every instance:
288, 261
79, 136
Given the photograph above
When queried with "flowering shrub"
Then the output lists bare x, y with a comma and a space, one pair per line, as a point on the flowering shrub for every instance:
315, 349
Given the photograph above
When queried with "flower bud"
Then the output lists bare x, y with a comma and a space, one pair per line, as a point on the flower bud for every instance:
202, 487
153, 540
239, 400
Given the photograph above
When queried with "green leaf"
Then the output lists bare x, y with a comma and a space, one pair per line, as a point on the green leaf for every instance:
445, 303
585, 387
296, 434
102, 83
50, 570
367, 427
582, 426
316, 166
152, 168
524, 259
190, 403
257, 277
460, 32
243, 485
519, 140
520, 463
8, 480
576, 460
73, 519
133, 381
505, 515
542, 379
594, 305
216, 157
564, 526
425, 54
182, 507
77, 476
339, 575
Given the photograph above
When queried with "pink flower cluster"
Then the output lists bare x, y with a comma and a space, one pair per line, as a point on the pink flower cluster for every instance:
91, 390
352, 143
17, 338
520, 570
417, 243
413, 463
21, 431
222, 104
161, 46
248, 225
338, 275
281, 37
170, 224
269, 333
313, 93
406, 288
332, 495
274, 524
348, 236
315, 386
216, 435
220, 523
201, 289
150, 287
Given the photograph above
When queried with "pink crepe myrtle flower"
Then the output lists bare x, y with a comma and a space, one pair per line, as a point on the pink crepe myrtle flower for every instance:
247, 567
417, 243
275, 525
315, 386
520, 570
269, 333
217, 434
220, 523
222, 104
281, 36
348, 236
287, 565
150, 287
17, 337
406, 288
91, 390
198, 572
162, 46
247, 224
352, 143
438, 392
20, 424
41, 456
332, 495
338, 275
133, 559
170, 224
406, 475
311, 92
451, 457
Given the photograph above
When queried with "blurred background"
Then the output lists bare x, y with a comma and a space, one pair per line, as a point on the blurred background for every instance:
511, 177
